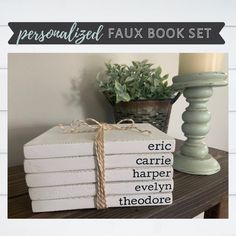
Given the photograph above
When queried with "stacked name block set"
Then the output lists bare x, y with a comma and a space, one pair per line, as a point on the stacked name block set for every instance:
62, 168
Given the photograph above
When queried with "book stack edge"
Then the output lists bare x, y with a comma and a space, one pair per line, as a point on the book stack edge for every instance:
61, 169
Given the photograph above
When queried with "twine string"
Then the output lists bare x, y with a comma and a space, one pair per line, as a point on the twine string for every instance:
99, 128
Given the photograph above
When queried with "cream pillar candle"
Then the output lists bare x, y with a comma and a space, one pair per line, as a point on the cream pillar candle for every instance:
201, 62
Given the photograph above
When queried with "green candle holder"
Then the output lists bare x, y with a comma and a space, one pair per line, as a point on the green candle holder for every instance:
197, 88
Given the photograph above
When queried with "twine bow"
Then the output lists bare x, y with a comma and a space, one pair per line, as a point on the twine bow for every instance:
99, 128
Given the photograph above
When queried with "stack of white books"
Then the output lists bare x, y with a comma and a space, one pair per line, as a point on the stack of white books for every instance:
61, 169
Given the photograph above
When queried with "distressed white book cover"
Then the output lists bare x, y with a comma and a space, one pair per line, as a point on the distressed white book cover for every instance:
89, 176
112, 201
56, 143
111, 188
89, 162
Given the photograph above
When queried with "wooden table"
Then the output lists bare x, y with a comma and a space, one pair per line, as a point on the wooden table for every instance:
192, 195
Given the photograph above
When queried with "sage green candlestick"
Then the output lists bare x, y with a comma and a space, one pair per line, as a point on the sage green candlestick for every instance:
193, 157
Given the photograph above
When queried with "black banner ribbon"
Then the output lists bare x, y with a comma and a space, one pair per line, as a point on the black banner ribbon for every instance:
116, 33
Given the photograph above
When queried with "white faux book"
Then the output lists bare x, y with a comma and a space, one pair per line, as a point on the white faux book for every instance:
56, 143
154, 199
111, 188
89, 176
56, 164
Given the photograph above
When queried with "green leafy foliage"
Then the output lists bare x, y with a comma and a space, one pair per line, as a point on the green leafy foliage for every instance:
139, 81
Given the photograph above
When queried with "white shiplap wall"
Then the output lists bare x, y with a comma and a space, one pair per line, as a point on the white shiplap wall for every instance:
75, 10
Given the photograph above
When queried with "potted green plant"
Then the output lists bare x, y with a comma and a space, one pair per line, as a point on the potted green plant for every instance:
139, 92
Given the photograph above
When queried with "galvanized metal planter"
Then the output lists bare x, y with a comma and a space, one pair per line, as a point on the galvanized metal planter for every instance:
155, 112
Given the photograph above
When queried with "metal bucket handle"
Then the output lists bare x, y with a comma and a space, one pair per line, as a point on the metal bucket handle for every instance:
175, 98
